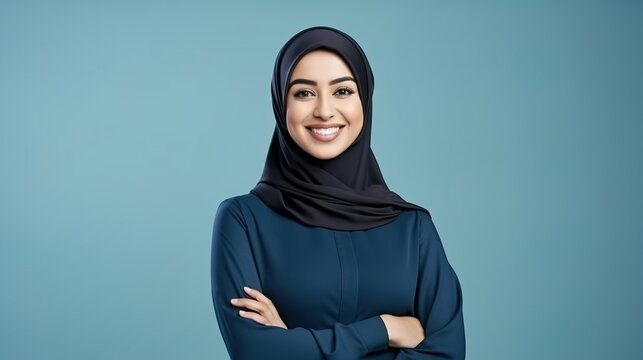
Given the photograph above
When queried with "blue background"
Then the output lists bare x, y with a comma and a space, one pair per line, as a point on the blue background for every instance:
123, 124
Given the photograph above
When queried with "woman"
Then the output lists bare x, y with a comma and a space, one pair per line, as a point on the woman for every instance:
321, 260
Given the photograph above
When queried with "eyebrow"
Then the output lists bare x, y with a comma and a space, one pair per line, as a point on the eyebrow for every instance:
314, 83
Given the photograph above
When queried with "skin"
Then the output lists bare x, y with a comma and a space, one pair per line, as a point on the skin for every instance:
332, 101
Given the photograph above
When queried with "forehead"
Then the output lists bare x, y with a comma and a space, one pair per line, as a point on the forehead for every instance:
321, 64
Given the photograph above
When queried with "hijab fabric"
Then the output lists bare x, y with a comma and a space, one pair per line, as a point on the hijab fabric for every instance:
345, 193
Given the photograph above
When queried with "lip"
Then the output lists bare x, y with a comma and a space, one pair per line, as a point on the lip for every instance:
325, 126
325, 138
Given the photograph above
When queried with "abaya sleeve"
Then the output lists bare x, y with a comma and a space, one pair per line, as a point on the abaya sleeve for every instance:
438, 303
233, 267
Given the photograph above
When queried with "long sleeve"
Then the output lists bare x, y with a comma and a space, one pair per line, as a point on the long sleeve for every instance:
438, 303
233, 267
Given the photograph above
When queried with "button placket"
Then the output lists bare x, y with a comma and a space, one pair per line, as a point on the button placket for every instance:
349, 276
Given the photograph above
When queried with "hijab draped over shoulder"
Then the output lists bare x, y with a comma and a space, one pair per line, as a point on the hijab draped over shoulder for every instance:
345, 193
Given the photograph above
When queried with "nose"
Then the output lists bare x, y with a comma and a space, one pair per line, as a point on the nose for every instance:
324, 108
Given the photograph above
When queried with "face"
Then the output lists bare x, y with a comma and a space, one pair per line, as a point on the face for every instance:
323, 110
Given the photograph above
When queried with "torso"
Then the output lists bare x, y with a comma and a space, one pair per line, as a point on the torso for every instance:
317, 277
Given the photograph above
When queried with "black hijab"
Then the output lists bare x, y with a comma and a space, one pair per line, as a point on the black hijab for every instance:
347, 192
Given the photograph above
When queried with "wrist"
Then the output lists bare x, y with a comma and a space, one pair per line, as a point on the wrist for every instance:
389, 323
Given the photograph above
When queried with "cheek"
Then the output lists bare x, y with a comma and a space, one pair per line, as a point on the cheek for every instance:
355, 115
295, 115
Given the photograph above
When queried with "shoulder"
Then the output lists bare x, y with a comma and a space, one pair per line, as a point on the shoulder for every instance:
232, 221
232, 203
230, 227
231, 210
425, 226
237, 204
241, 207
419, 216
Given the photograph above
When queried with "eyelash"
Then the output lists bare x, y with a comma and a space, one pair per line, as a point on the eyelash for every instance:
348, 91
300, 94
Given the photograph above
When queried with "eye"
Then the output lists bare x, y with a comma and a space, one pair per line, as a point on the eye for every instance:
344, 91
303, 93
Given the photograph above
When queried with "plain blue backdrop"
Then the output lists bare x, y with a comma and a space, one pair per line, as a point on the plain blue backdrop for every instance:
123, 124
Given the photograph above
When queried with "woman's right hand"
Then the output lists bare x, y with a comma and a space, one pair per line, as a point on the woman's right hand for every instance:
403, 331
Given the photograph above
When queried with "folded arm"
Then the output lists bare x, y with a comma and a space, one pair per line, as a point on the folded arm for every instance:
438, 303
233, 268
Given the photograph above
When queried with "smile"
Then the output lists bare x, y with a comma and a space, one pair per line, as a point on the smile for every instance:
322, 131
325, 134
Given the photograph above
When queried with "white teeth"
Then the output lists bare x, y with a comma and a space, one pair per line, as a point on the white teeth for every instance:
327, 131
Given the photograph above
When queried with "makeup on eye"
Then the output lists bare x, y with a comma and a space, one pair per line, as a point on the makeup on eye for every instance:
345, 91
342, 92
302, 93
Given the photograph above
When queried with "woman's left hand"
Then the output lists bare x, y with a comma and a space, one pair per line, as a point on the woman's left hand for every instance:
262, 310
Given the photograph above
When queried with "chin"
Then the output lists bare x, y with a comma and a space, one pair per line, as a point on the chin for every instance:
325, 155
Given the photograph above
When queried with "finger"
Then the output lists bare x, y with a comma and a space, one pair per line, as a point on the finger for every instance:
270, 312
250, 304
257, 295
254, 317
264, 306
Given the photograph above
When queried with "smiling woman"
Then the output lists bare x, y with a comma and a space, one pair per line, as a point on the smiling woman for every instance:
321, 260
